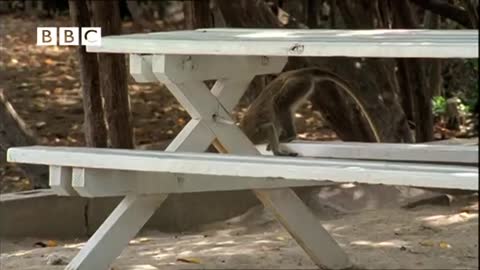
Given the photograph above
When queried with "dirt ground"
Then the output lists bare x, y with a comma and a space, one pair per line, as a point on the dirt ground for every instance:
374, 231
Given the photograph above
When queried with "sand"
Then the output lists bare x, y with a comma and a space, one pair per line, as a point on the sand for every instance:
376, 233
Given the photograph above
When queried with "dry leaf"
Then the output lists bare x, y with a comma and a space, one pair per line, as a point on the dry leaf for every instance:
444, 244
48, 243
427, 243
180, 121
139, 241
49, 61
188, 260
52, 243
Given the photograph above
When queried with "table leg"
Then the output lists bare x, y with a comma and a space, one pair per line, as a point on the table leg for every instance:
134, 210
213, 109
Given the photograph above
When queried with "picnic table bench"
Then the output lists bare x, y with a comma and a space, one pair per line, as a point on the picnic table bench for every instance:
182, 61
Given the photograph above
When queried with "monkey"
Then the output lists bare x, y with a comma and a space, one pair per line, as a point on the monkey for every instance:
270, 117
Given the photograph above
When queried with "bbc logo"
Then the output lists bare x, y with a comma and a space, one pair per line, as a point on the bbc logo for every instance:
69, 36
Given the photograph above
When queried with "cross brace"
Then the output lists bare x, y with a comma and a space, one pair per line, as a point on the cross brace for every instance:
210, 110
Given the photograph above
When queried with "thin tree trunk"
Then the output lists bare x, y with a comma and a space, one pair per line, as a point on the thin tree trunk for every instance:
434, 67
472, 9
29, 7
4, 7
418, 85
197, 14
94, 123
140, 18
217, 16
248, 14
113, 78
333, 13
444, 9
313, 9
40, 6
14, 132
405, 81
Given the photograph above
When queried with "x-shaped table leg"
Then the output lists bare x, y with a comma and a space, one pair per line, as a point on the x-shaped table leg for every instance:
210, 111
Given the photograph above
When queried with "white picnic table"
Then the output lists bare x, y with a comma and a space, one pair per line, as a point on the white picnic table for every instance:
182, 61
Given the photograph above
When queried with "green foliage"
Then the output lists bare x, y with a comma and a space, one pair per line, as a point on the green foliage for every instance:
439, 105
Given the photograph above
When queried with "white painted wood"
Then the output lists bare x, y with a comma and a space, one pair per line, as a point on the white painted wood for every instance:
230, 91
461, 154
288, 208
301, 223
203, 107
141, 68
194, 137
320, 246
182, 68
115, 233
298, 42
105, 183
201, 104
193, 96
60, 180
339, 170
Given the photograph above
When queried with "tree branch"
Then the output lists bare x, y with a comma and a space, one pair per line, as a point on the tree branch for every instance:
444, 9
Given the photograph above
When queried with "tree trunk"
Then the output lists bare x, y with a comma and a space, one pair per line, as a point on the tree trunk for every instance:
313, 9
40, 7
434, 66
113, 78
29, 7
472, 9
217, 16
296, 9
418, 83
14, 132
445, 9
248, 14
94, 123
140, 18
197, 14
4, 7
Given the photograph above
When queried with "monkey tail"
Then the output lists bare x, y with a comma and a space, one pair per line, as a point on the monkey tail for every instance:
342, 84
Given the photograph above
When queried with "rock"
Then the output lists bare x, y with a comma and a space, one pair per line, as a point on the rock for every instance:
56, 259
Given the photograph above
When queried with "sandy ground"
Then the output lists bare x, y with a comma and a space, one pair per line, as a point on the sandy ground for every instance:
377, 234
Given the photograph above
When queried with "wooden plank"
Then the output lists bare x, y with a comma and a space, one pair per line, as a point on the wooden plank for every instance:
305, 228
198, 68
225, 90
114, 234
141, 68
194, 137
60, 180
340, 170
118, 229
286, 205
297, 42
385, 151
107, 183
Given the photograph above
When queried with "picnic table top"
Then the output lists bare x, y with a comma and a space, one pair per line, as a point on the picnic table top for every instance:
405, 43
